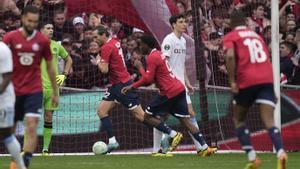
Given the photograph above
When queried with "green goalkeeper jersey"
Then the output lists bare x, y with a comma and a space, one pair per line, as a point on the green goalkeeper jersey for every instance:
57, 50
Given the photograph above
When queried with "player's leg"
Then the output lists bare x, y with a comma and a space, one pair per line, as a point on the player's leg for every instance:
267, 116
31, 143
6, 135
103, 109
47, 133
48, 116
32, 107
194, 122
241, 103
130, 100
266, 101
159, 146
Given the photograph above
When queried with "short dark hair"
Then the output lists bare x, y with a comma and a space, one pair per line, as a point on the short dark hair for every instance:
30, 9
42, 24
173, 19
237, 18
149, 41
292, 47
101, 30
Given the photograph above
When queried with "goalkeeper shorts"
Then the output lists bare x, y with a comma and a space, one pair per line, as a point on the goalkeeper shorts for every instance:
47, 100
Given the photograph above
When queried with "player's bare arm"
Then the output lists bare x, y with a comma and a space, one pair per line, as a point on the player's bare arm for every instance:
187, 82
5, 82
230, 63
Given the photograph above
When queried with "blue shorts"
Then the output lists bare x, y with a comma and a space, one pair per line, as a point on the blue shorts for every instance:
263, 93
161, 105
129, 99
29, 105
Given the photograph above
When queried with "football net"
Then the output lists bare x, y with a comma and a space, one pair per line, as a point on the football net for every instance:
76, 126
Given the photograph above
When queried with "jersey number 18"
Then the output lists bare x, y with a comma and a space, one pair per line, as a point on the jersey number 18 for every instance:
256, 50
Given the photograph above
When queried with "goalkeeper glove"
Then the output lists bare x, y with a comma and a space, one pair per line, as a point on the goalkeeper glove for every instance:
60, 79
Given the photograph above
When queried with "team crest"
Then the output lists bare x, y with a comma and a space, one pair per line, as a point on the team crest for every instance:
35, 47
167, 47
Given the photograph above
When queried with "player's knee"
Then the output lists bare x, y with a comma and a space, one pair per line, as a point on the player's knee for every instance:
102, 113
139, 113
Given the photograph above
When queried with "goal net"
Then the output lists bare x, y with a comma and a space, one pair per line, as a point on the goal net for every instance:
76, 125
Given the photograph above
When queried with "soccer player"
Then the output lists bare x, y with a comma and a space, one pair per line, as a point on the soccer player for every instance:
28, 47
172, 94
111, 61
7, 97
248, 58
174, 48
57, 50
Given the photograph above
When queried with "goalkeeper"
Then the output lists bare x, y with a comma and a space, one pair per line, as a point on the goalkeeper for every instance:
57, 50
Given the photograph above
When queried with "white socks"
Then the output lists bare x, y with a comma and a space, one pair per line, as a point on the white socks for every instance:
157, 136
14, 148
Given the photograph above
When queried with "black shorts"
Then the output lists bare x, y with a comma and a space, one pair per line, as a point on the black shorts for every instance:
177, 106
129, 99
29, 105
263, 93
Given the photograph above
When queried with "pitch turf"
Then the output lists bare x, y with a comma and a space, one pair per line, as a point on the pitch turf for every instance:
219, 161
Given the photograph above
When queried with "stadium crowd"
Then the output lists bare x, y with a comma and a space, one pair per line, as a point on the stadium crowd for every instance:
75, 34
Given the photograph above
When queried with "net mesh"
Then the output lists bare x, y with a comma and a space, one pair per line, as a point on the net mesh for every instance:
76, 125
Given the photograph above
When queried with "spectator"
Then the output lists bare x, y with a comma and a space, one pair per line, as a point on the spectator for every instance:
124, 46
10, 5
38, 4
88, 35
8, 21
286, 64
131, 45
137, 33
116, 26
76, 79
267, 34
214, 41
290, 25
92, 75
181, 6
94, 20
79, 25
61, 25
220, 71
189, 19
290, 37
217, 22
2, 33
206, 30
257, 21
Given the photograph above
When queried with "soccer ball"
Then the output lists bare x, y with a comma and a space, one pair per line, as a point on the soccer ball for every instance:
99, 147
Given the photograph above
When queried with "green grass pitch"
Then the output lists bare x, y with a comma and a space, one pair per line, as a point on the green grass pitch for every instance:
191, 161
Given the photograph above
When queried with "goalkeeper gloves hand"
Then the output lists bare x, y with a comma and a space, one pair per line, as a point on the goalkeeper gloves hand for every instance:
60, 79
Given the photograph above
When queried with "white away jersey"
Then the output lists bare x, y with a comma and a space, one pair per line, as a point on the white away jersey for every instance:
6, 65
175, 49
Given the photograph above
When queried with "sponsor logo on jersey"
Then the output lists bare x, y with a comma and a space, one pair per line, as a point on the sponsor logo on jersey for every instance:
35, 47
179, 51
167, 47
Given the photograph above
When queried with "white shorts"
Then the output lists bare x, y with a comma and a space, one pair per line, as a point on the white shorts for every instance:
188, 99
7, 117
